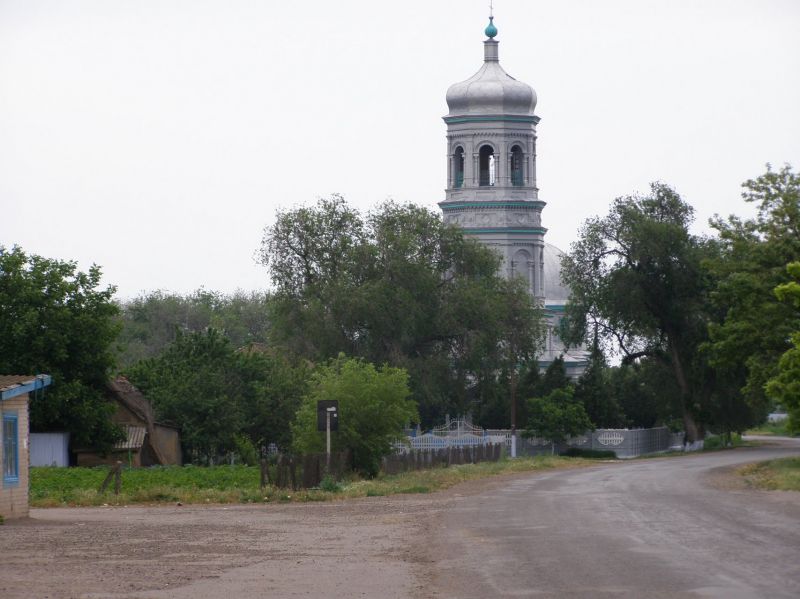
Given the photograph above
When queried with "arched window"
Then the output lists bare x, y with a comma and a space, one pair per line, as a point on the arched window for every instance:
458, 167
517, 176
486, 166
520, 266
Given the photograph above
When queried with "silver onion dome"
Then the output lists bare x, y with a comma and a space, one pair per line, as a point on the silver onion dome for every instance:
491, 90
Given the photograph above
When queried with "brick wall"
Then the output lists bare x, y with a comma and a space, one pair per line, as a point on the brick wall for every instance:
14, 498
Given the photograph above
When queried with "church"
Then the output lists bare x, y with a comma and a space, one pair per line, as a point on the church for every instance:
492, 192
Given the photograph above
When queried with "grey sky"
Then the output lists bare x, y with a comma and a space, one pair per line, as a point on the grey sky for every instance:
157, 138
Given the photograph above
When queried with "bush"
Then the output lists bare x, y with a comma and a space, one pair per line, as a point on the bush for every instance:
374, 406
577, 452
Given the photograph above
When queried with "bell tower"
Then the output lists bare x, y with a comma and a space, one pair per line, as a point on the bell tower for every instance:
491, 166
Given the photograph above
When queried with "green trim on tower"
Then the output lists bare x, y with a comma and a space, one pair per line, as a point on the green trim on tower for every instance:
453, 120
535, 230
522, 204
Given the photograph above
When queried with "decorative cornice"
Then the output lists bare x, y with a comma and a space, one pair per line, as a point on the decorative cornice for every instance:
528, 205
454, 120
533, 231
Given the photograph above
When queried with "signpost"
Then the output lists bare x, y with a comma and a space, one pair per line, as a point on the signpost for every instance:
328, 420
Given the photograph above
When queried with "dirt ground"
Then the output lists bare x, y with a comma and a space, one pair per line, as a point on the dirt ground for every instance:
374, 547
384, 547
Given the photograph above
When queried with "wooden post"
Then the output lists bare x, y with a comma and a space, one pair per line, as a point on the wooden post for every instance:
264, 473
118, 478
293, 473
107, 480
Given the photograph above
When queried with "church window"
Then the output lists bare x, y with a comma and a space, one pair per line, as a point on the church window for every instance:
517, 177
487, 166
520, 266
458, 159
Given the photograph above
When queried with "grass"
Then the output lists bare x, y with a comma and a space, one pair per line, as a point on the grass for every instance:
772, 428
716, 442
775, 475
53, 487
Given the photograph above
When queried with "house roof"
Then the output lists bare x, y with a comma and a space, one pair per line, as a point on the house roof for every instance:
129, 396
12, 385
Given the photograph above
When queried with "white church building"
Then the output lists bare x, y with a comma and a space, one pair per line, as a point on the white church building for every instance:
491, 186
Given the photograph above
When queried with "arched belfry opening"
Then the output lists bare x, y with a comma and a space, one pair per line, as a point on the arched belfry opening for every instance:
517, 162
458, 167
486, 166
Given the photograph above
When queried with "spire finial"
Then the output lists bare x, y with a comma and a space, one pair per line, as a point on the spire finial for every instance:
491, 30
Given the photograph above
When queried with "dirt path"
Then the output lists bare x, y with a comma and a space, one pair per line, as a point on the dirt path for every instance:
358, 548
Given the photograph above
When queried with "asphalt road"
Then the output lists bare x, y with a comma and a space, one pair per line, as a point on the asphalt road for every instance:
644, 528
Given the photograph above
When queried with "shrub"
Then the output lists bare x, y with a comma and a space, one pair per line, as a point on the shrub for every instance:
578, 452
374, 406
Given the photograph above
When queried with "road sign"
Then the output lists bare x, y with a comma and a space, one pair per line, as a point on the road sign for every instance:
325, 407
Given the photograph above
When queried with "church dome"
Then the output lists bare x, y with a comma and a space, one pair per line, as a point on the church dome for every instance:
555, 292
491, 90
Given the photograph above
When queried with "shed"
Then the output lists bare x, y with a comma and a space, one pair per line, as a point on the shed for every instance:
146, 442
14, 391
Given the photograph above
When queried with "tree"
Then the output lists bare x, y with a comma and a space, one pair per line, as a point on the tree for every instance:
57, 320
647, 393
397, 286
784, 387
752, 327
594, 392
556, 417
213, 393
636, 276
374, 407
150, 321
194, 385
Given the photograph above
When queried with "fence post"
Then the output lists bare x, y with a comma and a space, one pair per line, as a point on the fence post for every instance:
293, 472
118, 478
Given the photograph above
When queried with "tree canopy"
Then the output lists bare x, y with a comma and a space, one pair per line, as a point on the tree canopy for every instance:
374, 407
55, 319
215, 393
636, 276
784, 387
397, 286
752, 328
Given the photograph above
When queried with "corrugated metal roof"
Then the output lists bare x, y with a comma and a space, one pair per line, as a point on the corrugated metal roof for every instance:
134, 437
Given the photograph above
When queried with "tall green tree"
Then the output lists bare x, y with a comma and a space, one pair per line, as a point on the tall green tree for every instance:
636, 276
752, 327
57, 320
784, 387
397, 286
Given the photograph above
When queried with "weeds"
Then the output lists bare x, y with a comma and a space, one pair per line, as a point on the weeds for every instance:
51, 487
775, 475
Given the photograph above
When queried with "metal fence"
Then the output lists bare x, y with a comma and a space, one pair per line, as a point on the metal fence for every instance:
626, 443
460, 432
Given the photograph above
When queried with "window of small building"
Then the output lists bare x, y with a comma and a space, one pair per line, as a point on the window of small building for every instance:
10, 448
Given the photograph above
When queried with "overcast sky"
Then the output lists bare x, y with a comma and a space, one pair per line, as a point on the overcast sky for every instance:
158, 138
